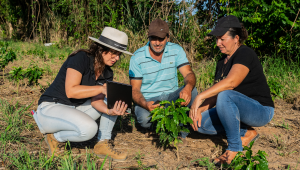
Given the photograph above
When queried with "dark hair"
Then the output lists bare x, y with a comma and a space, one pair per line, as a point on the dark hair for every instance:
95, 50
241, 32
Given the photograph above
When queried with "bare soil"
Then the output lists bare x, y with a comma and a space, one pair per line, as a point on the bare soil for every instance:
280, 142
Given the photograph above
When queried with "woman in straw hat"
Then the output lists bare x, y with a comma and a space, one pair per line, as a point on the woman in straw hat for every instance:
240, 93
68, 109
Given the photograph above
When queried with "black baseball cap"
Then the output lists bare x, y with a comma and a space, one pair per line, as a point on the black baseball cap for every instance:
224, 24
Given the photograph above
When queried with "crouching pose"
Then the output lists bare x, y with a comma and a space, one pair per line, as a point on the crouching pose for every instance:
153, 74
240, 93
68, 109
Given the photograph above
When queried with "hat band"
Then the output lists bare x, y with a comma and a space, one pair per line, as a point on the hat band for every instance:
112, 43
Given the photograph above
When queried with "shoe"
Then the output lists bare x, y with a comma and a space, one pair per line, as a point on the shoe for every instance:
105, 147
53, 145
251, 135
226, 157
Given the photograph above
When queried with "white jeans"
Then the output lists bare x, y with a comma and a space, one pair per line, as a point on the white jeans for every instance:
74, 124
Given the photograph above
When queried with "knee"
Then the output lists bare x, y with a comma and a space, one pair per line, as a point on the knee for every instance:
144, 121
224, 96
88, 131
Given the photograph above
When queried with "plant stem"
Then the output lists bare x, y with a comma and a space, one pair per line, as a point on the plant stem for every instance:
177, 153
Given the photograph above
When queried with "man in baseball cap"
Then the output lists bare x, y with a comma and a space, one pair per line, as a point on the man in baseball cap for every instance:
153, 73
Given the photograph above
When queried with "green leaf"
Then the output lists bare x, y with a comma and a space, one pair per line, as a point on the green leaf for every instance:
249, 154
179, 100
184, 117
157, 117
175, 118
165, 102
239, 166
168, 124
158, 127
189, 120
250, 166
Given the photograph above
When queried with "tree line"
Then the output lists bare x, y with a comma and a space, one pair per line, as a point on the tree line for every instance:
273, 25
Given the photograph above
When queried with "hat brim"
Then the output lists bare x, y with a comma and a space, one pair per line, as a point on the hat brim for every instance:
218, 31
158, 34
100, 42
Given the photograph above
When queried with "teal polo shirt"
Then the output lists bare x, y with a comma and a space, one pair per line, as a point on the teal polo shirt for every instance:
157, 77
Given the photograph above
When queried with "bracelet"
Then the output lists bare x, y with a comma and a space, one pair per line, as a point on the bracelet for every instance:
107, 110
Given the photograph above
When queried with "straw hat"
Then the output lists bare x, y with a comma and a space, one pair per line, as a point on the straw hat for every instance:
114, 39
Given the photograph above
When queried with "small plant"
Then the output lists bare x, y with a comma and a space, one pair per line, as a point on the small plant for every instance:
37, 52
285, 125
275, 88
247, 161
168, 120
33, 73
204, 162
16, 74
138, 158
7, 57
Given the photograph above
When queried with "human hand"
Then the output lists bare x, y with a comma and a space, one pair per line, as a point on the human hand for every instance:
186, 95
195, 106
150, 106
198, 119
119, 109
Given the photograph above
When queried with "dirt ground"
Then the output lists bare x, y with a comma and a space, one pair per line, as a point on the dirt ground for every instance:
281, 142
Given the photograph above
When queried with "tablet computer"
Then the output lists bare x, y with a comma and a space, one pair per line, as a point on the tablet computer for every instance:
119, 91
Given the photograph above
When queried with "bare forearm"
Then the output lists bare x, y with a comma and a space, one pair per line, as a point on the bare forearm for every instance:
139, 99
208, 103
99, 105
81, 92
190, 81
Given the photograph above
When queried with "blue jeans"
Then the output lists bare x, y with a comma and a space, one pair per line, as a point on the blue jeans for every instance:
142, 114
74, 124
233, 114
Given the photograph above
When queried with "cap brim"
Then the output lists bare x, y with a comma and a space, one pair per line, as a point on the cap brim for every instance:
157, 34
218, 31
96, 40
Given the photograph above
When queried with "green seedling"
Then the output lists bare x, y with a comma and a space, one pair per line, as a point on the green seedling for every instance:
33, 73
247, 161
168, 117
138, 159
285, 125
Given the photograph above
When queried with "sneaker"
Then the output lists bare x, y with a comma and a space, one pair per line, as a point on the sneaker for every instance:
105, 147
53, 145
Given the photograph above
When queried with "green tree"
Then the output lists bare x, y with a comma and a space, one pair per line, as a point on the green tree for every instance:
273, 25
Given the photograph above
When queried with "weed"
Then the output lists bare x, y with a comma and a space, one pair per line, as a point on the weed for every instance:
285, 125
13, 121
138, 159
37, 52
275, 88
24, 160
205, 162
